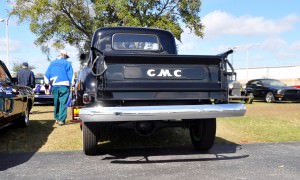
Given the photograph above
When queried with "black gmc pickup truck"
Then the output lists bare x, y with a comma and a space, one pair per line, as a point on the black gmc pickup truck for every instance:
135, 78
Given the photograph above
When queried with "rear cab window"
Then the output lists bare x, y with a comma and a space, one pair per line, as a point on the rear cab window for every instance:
137, 42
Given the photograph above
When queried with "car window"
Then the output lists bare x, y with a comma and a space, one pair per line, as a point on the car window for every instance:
255, 83
39, 81
272, 82
123, 41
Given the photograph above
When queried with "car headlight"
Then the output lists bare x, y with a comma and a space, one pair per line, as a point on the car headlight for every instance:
279, 91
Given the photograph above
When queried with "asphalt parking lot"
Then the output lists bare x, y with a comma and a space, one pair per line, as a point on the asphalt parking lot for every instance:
223, 161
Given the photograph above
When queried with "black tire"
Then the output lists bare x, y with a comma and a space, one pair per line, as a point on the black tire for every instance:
203, 133
269, 98
250, 99
89, 138
23, 121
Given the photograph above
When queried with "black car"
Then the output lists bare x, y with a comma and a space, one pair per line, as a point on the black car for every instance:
42, 95
15, 101
272, 90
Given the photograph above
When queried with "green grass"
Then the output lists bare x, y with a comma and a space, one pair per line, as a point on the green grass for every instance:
263, 122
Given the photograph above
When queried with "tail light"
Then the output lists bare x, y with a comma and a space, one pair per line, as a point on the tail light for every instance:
86, 99
75, 113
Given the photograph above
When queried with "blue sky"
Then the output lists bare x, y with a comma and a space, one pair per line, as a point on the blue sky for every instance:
264, 33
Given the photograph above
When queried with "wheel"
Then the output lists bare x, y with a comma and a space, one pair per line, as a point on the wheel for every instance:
203, 132
269, 97
23, 121
250, 99
89, 138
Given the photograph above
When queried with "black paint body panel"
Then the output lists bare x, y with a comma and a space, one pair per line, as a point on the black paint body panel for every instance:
151, 76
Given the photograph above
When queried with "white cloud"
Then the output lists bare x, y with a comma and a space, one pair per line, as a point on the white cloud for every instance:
274, 44
188, 41
2, 45
262, 40
13, 45
280, 47
296, 46
218, 23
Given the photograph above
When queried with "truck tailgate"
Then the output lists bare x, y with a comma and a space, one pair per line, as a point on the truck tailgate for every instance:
164, 73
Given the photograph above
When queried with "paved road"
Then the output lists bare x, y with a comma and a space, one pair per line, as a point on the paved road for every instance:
224, 161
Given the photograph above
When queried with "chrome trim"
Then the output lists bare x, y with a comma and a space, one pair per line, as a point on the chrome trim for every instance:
143, 113
43, 96
240, 97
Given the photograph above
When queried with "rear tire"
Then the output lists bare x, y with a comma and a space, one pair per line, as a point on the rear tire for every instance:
203, 132
89, 138
23, 121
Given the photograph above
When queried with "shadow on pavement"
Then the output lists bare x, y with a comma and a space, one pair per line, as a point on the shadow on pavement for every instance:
166, 146
12, 160
15, 141
124, 146
173, 154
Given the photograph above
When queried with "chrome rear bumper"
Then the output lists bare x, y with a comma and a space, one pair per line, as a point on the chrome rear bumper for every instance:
152, 113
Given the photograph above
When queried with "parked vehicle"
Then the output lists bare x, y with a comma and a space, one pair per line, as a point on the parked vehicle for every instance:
15, 101
135, 79
42, 95
237, 91
272, 90
297, 86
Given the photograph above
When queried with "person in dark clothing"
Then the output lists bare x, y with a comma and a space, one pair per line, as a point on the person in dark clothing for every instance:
25, 76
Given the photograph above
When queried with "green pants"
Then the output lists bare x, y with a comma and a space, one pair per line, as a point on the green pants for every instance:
60, 96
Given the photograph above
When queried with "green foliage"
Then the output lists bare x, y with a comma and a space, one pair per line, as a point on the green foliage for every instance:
60, 22
39, 74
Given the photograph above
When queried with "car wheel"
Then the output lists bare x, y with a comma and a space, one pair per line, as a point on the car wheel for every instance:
23, 121
203, 132
250, 99
270, 97
89, 138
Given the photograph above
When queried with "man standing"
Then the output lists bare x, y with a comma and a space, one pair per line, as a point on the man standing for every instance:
60, 76
25, 76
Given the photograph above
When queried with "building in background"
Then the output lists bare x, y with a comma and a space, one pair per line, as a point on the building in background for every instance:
287, 74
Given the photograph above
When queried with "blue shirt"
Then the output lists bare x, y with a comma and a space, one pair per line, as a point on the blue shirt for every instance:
59, 73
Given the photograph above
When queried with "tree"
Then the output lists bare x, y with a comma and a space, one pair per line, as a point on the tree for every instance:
60, 22
40, 74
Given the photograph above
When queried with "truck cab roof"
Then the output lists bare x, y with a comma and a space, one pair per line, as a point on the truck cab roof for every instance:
137, 40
